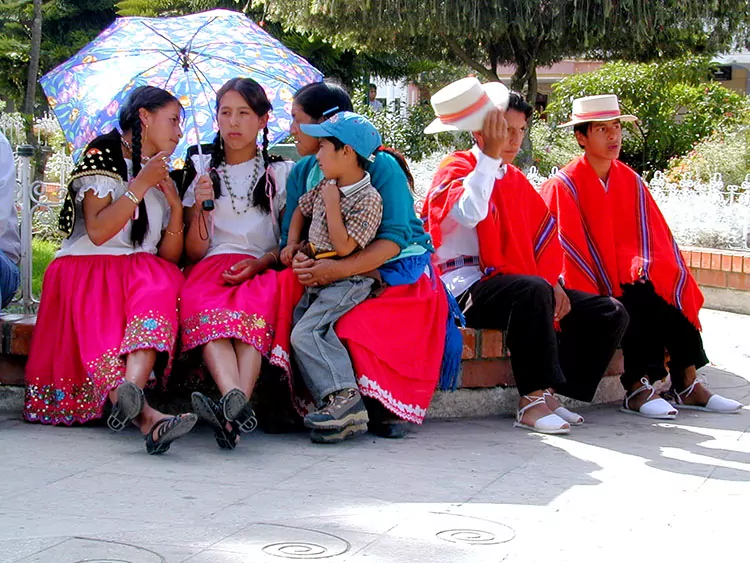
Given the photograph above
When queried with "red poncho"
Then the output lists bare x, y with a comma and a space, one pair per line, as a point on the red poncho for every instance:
617, 236
518, 234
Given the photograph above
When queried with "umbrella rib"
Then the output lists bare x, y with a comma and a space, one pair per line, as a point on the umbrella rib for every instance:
197, 31
225, 60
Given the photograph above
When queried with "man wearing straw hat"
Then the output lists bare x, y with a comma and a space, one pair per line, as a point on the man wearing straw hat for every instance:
497, 252
616, 242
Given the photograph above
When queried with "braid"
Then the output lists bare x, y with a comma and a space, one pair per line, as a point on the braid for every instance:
260, 198
140, 225
401, 162
217, 159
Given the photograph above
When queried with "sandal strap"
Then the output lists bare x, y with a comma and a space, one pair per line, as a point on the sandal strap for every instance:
645, 384
700, 379
534, 402
164, 425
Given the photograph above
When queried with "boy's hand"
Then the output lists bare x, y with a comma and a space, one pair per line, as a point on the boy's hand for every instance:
331, 194
287, 255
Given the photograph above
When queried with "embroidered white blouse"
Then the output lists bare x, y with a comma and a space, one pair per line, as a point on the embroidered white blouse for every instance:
254, 232
79, 243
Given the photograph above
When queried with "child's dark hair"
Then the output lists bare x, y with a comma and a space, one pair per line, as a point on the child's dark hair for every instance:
151, 99
322, 100
362, 162
256, 98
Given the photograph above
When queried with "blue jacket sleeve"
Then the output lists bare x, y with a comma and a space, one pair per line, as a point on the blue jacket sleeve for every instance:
296, 185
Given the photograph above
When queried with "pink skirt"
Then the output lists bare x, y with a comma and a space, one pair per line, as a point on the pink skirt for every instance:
399, 368
211, 310
96, 310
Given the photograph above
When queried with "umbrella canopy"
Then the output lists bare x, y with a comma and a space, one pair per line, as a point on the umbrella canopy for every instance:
190, 56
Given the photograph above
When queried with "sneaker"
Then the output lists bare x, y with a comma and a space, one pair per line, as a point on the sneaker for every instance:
342, 408
336, 436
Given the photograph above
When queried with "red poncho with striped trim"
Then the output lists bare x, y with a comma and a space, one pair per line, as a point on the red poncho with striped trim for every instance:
518, 234
617, 236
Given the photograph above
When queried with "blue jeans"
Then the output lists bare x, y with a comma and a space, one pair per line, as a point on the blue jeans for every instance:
10, 277
322, 359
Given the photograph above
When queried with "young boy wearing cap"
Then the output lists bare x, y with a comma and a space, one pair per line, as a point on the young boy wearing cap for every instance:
345, 211
498, 254
616, 243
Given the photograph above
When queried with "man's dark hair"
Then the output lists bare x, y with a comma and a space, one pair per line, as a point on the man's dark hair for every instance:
362, 162
517, 103
583, 129
373, 87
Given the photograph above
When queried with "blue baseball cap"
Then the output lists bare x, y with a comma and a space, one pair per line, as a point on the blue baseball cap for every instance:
351, 129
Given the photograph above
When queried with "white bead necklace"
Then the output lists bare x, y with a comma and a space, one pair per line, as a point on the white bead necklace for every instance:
236, 198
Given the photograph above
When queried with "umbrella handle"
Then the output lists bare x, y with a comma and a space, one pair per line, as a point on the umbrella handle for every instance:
208, 205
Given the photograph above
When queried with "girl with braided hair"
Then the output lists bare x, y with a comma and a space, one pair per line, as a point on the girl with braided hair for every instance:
228, 303
108, 314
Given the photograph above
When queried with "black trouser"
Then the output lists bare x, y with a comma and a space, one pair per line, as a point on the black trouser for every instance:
525, 306
654, 326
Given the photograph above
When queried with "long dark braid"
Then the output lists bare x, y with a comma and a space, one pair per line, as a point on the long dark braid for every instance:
401, 162
260, 198
217, 159
151, 99
139, 229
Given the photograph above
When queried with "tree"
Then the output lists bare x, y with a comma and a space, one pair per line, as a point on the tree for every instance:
483, 34
36, 48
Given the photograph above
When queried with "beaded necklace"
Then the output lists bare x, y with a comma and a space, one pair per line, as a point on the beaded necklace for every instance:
235, 198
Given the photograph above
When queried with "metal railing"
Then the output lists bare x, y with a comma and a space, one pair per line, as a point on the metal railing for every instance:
35, 202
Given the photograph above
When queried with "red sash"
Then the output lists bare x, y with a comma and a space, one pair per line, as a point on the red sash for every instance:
617, 236
518, 234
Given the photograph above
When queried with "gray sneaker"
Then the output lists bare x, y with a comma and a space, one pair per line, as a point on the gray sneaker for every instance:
341, 409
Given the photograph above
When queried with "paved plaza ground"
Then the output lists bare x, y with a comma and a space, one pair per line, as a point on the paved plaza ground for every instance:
470, 490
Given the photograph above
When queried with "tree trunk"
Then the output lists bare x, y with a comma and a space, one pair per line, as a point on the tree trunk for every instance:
36, 47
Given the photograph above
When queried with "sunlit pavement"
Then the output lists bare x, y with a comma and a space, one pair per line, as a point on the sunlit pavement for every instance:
620, 488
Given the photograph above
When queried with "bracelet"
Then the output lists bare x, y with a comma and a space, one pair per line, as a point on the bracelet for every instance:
273, 254
175, 233
132, 197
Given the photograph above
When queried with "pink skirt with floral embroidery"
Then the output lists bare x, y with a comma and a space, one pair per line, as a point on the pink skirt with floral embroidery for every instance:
212, 310
94, 311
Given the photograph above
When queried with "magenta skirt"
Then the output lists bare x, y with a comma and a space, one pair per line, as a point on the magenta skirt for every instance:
95, 310
212, 310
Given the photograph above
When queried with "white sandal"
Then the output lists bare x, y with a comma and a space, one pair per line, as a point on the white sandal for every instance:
715, 403
658, 408
572, 418
549, 424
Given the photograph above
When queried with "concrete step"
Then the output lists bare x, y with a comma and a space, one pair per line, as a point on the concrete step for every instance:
485, 387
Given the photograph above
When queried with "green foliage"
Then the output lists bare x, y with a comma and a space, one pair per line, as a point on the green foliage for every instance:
552, 147
43, 252
404, 131
726, 152
152, 8
483, 34
676, 104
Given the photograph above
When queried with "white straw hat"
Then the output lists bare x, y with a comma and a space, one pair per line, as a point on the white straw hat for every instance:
462, 105
596, 108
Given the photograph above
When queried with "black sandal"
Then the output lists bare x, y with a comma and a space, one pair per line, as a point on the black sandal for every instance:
167, 431
130, 402
237, 409
211, 413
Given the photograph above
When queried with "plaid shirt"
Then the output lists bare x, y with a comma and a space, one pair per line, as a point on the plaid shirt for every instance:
361, 211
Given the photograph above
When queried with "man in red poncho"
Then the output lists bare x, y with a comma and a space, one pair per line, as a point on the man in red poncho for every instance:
616, 242
498, 254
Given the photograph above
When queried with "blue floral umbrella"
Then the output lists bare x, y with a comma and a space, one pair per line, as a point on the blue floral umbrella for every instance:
190, 56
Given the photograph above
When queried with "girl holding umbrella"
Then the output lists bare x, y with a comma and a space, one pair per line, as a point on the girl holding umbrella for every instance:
109, 310
228, 304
